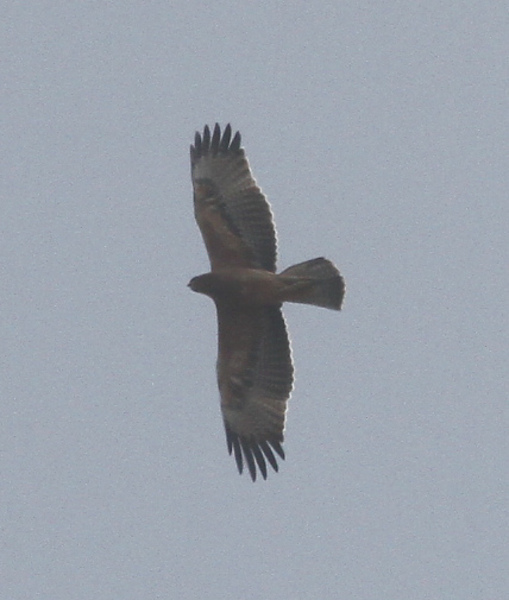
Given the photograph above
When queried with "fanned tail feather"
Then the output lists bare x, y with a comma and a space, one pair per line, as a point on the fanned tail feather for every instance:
316, 282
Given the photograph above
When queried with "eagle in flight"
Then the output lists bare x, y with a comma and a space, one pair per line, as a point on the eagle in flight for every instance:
254, 364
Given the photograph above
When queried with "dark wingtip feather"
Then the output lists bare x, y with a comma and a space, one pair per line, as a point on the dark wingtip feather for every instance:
238, 455
197, 142
235, 145
269, 455
260, 460
232, 442
206, 139
229, 441
225, 141
248, 455
278, 448
253, 454
216, 138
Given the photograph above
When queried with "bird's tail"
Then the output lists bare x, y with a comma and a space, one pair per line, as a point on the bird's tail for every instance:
316, 282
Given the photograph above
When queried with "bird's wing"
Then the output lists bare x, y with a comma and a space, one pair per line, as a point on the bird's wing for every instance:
233, 214
255, 376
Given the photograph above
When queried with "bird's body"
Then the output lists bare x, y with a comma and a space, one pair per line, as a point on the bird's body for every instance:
258, 287
254, 366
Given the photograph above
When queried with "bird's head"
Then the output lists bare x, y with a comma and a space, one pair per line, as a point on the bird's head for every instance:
216, 285
204, 284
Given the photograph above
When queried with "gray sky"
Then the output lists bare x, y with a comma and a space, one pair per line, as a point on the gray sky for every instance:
379, 132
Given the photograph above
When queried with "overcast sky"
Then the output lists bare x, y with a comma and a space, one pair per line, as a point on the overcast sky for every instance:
380, 133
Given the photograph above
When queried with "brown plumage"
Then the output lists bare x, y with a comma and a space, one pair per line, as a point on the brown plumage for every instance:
254, 365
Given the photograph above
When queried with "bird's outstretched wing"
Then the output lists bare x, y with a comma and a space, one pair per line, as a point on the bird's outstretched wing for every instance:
255, 376
233, 214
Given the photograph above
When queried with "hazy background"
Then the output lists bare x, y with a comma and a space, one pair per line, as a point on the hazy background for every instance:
379, 132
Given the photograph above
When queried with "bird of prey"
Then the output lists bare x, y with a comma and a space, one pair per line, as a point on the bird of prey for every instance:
254, 364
